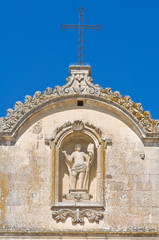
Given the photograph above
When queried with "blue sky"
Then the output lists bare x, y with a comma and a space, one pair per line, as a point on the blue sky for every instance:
35, 53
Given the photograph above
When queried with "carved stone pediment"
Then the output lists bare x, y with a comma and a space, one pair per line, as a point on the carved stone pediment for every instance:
79, 83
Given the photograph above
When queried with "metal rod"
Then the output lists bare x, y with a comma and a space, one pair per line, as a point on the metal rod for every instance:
80, 47
71, 26
80, 27
82, 41
79, 36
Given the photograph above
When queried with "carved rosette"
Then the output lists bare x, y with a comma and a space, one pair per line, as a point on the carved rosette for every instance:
77, 215
78, 83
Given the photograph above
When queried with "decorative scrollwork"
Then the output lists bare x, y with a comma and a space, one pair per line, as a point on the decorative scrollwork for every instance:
90, 125
76, 126
77, 215
78, 83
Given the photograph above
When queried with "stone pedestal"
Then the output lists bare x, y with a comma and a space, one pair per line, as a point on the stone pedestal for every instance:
77, 195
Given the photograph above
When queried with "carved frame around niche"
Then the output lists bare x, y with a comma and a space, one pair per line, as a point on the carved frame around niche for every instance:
77, 211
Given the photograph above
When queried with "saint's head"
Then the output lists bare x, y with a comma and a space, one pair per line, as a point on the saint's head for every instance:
78, 147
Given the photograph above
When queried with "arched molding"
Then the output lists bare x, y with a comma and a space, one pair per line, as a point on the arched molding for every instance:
79, 85
70, 102
70, 127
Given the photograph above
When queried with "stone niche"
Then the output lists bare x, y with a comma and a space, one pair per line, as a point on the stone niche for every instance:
78, 172
88, 191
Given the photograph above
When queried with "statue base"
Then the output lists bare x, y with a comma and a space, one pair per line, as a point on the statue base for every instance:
77, 195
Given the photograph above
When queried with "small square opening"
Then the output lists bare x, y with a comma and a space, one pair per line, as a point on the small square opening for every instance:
80, 103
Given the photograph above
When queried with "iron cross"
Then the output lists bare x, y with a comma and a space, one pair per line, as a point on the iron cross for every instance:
80, 27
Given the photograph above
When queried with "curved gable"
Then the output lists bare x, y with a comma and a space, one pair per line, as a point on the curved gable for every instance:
80, 86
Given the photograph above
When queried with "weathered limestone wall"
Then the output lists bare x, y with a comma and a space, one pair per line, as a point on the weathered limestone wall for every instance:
132, 183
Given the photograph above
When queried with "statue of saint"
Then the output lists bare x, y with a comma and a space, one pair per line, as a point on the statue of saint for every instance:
78, 164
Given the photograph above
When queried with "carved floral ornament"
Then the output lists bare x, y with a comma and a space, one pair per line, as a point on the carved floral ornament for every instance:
78, 83
77, 215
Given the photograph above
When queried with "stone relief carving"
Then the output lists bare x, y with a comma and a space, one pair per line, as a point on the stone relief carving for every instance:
37, 128
79, 82
78, 195
78, 149
77, 215
78, 164
77, 125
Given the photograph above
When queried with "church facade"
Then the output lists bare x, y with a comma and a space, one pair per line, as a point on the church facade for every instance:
79, 162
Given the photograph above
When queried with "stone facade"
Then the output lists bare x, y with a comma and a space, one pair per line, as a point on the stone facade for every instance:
118, 164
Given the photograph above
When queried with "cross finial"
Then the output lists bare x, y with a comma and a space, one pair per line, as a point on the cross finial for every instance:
80, 27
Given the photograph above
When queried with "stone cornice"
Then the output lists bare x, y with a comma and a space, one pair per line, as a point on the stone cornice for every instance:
79, 83
105, 233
